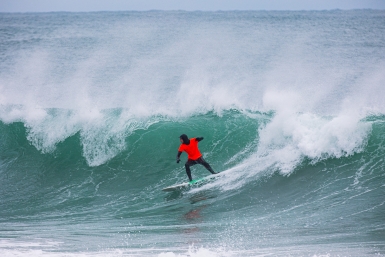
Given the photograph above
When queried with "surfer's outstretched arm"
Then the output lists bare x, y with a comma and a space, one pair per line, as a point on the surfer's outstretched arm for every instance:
199, 139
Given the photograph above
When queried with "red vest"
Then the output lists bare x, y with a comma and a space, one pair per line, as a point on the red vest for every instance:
191, 149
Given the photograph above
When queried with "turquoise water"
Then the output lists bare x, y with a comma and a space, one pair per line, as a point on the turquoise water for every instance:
290, 105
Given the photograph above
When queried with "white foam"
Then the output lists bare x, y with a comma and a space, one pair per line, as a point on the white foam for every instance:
150, 69
287, 139
291, 136
41, 247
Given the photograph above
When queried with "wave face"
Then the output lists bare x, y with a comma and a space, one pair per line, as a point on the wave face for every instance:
290, 105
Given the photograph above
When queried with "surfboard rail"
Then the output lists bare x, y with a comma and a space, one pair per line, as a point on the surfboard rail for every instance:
188, 184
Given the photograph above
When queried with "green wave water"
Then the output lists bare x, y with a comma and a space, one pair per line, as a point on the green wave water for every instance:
118, 207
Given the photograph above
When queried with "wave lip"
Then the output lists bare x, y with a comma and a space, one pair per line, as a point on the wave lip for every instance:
287, 139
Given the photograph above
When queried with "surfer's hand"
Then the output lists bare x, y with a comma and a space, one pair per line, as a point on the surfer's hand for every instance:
177, 160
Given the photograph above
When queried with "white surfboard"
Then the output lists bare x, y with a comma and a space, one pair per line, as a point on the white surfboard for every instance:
176, 187
188, 184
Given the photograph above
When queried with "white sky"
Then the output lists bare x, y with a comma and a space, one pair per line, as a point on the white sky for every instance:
188, 5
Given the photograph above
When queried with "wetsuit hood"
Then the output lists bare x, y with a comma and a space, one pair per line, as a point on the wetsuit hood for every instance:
185, 139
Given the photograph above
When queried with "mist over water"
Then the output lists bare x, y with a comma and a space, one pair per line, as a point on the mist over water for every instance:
290, 105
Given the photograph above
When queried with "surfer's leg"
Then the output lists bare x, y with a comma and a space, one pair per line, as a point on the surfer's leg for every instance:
188, 171
207, 166
187, 166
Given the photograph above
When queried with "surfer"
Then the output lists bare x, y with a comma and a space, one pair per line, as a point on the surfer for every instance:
190, 146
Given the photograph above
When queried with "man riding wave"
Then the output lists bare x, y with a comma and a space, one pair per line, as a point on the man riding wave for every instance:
190, 146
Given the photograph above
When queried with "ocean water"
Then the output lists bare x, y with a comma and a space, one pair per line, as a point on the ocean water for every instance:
290, 104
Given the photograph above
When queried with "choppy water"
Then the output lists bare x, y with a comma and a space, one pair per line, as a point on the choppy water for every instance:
291, 106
